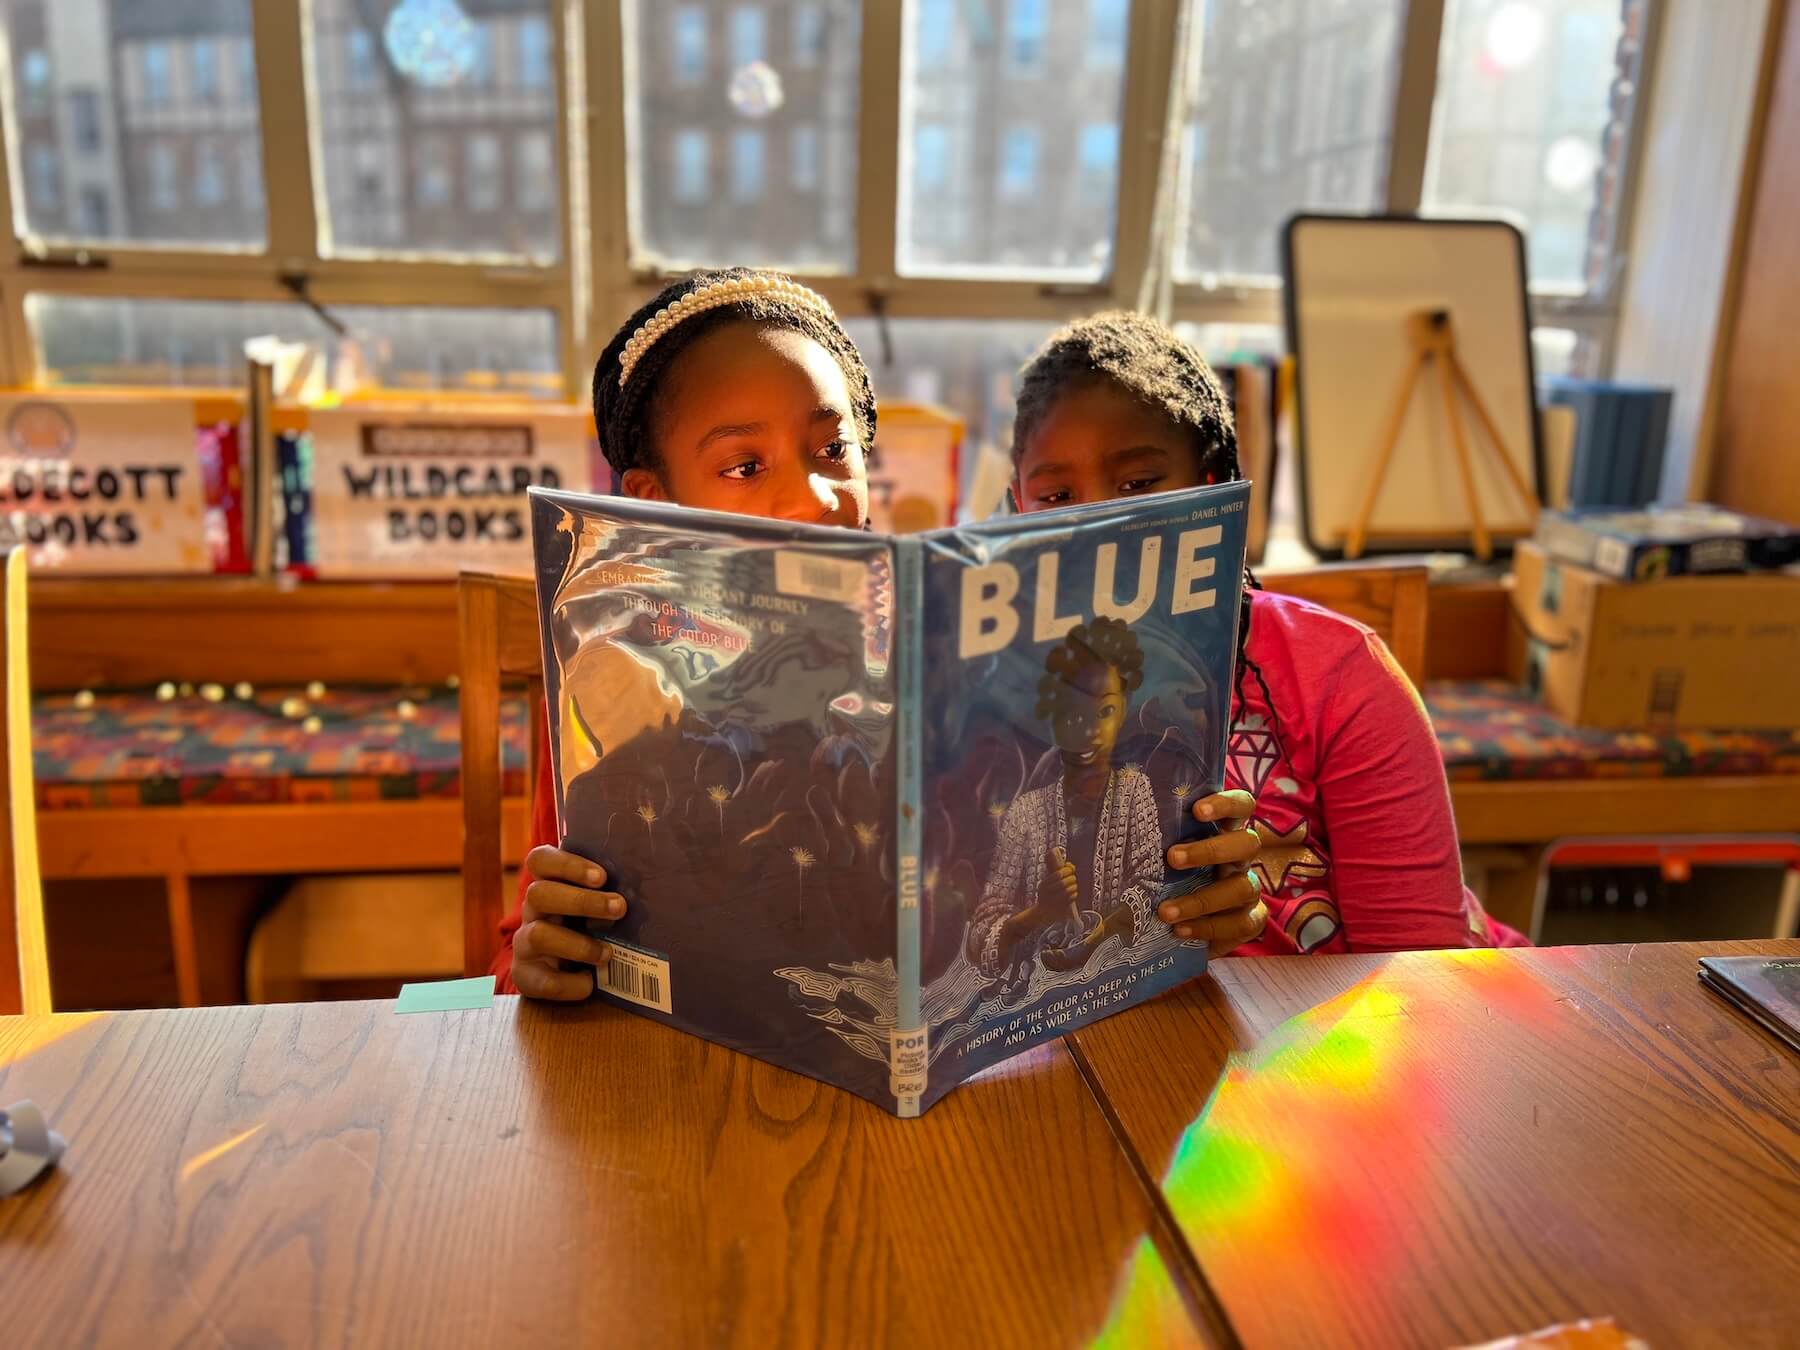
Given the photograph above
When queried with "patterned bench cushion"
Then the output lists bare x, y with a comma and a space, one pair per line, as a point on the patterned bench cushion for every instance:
132, 748
1492, 730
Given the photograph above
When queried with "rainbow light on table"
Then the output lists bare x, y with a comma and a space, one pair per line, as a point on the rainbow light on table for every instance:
1270, 1164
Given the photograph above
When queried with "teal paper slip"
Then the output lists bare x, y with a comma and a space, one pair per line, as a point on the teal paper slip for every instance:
446, 995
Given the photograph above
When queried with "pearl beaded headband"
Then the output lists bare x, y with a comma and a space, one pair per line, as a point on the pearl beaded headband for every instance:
712, 296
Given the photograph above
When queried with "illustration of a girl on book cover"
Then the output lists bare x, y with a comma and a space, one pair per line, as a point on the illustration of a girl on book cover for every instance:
1079, 859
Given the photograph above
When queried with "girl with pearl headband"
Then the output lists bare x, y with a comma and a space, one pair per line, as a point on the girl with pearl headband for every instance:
739, 391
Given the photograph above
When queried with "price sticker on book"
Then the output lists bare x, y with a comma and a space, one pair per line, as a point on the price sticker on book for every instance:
636, 976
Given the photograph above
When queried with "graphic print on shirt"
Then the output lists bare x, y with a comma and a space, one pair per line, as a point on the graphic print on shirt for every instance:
1294, 871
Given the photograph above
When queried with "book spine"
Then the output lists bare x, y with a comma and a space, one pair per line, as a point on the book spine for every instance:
910, 1055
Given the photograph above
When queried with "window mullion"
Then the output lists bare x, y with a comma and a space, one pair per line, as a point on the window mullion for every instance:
288, 186
609, 217
878, 145
1415, 91
1139, 244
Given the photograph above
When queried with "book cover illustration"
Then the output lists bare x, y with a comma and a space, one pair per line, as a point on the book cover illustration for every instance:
889, 810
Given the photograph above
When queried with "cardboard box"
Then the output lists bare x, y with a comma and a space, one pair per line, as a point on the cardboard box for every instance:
1720, 652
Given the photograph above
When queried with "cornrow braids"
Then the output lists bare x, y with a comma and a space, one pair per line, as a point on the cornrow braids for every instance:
624, 410
1151, 362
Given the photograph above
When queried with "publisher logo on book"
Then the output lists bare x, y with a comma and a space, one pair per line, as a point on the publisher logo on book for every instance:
41, 431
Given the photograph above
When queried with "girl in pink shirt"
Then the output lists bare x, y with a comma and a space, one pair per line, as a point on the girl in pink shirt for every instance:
1357, 846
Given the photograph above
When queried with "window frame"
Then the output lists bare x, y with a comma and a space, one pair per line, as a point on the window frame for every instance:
597, 279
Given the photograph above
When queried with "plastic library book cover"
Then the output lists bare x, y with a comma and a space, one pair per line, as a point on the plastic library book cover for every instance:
1767, 988
888, 810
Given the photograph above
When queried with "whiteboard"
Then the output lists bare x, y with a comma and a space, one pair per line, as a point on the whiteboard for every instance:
1352, 285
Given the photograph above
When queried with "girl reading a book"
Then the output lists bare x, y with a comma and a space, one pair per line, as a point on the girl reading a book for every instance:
739, 391
1357, 848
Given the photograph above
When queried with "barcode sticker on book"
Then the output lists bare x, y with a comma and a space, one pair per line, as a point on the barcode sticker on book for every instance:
637, 977
819, 578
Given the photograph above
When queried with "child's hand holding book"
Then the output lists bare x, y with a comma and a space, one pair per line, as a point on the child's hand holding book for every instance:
1230, 911
563, 885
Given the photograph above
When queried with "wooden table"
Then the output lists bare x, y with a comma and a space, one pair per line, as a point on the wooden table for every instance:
1424, 1150
336, 1174
1436, 1149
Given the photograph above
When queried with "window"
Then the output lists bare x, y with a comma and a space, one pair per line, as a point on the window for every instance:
1003, 132
246, 70
695, 206
1106, 32
803, 158
807, 36
209, 173
1533, 107
250, 173
481, 171
691, 155
203, 61
113, 76
1099, 156
200, 343
1294, 110
534, 53
371, 175
748, 34
1026, 21
154, 65
933, 34
537, 172
84, 117
481, 54
1018, 162
365, 71
34, 81
688, 35
746, 165
433, 173
43, 177
93, 217
165, 185
432, 107
931, 159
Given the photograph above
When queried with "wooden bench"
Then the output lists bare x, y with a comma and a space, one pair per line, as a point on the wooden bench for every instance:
97, 634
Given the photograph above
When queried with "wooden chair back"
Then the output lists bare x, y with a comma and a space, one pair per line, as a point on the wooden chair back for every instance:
24, 956
499, 646
1390, 600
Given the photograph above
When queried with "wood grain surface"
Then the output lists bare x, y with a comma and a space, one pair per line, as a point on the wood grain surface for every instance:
1435, 1149
336, 1174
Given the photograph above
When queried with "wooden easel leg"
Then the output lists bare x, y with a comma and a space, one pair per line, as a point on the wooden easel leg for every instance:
1484, 547
1526, 495
1390, 437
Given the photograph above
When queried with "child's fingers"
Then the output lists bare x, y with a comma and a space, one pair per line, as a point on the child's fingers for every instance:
1233, 893
537, 940
545, 863
1232, 810
558, 897
1224, 933
540, 979
1235, 846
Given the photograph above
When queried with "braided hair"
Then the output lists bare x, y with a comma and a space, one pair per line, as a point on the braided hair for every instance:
1104, 642
625, 411
1149, 361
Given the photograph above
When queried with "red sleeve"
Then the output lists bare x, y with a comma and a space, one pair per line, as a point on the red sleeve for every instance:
543, 831
1396, 868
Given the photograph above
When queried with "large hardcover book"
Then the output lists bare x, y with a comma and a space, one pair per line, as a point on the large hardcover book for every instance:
888, 810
